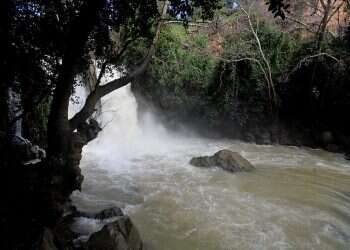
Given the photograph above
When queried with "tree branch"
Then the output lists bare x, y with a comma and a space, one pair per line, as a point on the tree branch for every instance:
109, 61
308, 58
307, 27
270, 83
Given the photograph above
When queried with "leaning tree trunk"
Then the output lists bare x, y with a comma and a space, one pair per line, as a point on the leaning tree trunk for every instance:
65, 142
59, 131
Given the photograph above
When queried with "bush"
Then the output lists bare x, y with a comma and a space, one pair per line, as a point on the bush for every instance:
180, 72
240, 90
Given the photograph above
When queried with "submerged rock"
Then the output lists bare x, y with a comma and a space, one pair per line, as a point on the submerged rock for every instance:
118, 235
225, 159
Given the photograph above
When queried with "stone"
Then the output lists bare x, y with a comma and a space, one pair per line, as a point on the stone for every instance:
109, 213
26, 151
225, 159
202, 161
118, 235
102, 215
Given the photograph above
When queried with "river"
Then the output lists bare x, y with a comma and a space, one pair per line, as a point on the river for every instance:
297, 198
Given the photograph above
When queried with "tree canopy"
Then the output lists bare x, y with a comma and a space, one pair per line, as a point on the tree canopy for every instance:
47, 43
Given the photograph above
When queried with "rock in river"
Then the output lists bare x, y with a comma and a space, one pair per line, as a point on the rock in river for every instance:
225, 159
118, 235
109, 213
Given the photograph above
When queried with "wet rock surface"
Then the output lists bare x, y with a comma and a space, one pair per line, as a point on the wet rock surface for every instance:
109, 213
26, 151
118, 235
225, 159
115, 231
102, 215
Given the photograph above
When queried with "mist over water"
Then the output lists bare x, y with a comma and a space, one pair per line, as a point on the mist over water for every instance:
296, 199
127, 135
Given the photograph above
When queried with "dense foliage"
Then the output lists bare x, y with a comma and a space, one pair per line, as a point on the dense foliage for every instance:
46, 44
312, 89
181, 71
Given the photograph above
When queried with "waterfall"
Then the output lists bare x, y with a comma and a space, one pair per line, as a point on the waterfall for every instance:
125, 133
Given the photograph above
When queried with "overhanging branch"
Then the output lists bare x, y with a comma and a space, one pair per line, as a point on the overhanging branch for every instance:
102, 90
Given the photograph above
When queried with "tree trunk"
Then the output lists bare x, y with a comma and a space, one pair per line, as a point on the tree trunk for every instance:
327, 7
59, 131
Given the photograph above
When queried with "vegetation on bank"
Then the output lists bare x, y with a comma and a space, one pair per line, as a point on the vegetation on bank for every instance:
180, 69
219, 77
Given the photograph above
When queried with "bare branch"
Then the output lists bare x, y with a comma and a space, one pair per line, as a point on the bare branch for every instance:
308, 58
270, 83
307, 27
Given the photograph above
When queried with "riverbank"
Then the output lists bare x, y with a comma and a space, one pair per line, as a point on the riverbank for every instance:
36, 214
217, 82
261, 129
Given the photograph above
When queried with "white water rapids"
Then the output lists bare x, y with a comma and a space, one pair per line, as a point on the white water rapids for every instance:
296, 199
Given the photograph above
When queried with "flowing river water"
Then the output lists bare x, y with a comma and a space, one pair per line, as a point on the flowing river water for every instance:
297, 198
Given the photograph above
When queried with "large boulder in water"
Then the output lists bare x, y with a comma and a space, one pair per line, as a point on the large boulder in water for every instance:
118, 235
225, 159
